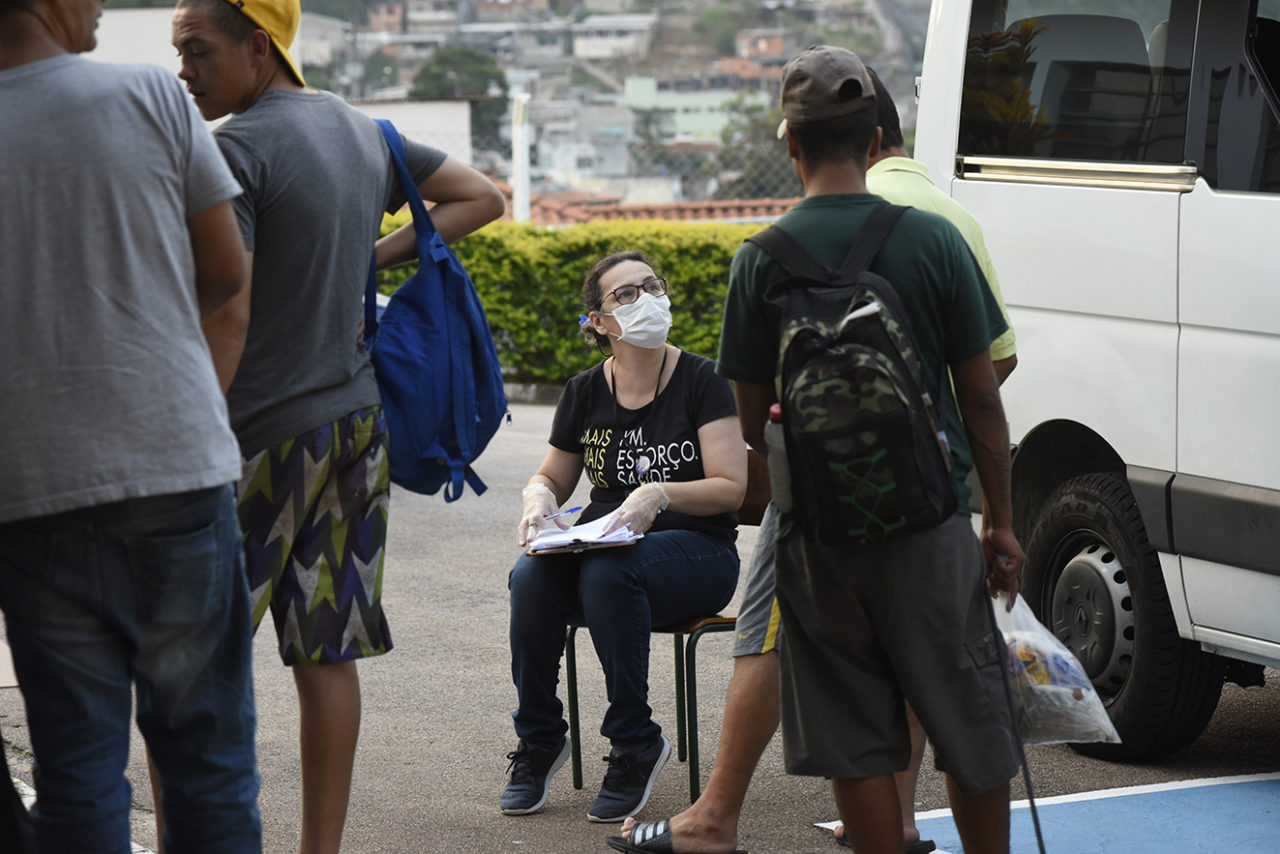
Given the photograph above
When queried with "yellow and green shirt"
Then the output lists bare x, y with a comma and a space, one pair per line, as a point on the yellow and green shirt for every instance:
904, 181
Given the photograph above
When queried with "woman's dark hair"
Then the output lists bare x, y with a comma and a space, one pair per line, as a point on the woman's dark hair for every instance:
836, 140
591, 293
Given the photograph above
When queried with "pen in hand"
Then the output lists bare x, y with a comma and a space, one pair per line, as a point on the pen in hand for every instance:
562, 513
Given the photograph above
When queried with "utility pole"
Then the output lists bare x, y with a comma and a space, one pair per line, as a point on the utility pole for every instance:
520, 179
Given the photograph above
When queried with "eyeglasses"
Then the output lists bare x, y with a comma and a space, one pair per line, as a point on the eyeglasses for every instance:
655, 286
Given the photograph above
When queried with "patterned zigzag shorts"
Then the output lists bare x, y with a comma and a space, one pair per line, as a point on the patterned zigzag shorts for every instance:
314, 514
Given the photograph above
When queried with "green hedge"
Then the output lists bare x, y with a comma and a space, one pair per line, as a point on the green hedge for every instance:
530, 278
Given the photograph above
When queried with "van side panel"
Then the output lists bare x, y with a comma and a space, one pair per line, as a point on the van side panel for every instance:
1094, 303
1229, 416
1096, 371
1229, 409
1215, 593
1083, 249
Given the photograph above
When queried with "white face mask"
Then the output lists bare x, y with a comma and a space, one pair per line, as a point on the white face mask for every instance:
645, 322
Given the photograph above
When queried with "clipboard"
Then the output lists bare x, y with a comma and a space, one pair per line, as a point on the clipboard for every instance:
580, 546
581, 537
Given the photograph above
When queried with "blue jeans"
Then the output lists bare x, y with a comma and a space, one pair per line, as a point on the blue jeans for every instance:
149, 593
619, 594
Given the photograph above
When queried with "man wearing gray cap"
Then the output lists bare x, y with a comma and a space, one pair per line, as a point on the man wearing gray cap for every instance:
870, 625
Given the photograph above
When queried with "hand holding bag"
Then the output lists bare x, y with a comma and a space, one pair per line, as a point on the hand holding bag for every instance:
1053, 699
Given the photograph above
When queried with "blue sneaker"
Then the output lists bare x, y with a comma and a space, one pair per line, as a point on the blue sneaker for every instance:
531, 769
629, 781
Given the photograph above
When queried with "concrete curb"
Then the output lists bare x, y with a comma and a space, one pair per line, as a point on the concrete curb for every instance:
536, 393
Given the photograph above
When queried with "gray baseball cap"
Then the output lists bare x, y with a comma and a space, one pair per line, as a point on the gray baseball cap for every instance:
824, 82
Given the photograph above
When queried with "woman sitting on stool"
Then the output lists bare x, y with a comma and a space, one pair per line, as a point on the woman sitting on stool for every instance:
657, 433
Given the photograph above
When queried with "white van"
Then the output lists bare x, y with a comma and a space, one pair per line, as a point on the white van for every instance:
1123, 158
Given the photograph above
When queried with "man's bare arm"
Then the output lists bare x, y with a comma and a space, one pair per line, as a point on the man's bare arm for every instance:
754, 400
227, 329
464, 201
978, 396
219, 256
222, 286
1004, 367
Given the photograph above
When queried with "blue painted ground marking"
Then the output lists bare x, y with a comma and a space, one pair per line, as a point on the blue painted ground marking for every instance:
1226, 815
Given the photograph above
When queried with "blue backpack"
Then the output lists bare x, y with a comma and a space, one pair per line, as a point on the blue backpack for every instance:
435, 359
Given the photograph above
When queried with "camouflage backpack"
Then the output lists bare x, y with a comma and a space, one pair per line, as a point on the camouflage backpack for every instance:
868, 460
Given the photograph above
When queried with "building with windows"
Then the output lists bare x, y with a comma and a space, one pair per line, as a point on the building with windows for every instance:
763, 43
434, 16
513, 43
688, 115
386, 18
608, 37
574, 141
512, 10
322, 40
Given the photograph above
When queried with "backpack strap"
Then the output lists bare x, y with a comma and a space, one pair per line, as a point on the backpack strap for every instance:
871, 236
791, 256
395, 144
874, 230
423, 227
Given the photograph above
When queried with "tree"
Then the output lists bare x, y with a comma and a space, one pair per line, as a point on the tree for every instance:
653, 157
380, 71
648, 148
717, 25
752, 161
319, 77
459, 73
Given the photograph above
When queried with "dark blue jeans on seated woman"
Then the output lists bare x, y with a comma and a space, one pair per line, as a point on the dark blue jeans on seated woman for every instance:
620, 594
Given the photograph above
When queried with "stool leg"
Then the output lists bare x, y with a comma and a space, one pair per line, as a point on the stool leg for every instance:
691, 692
681, 725
571, 683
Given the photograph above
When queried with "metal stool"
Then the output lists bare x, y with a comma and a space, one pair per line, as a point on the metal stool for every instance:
686, 692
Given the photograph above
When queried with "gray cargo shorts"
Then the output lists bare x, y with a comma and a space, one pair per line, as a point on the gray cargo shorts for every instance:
869, 626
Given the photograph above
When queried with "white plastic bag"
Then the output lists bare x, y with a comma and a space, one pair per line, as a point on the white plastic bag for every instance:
1053, 700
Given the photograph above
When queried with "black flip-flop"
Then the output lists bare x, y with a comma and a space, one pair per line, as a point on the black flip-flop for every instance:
648, 838
924, 846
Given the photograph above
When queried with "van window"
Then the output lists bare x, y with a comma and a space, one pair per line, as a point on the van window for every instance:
1238, 57
1101, 80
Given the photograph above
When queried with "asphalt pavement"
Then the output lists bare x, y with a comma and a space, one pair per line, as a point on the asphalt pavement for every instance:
436, 721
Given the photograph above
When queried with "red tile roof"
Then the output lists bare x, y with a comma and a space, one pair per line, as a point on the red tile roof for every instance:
577, 206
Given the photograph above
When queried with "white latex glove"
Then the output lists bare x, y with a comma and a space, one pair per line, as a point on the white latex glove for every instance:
539, 503
640, 509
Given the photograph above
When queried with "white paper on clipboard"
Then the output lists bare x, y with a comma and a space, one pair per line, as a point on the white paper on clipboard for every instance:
580, 537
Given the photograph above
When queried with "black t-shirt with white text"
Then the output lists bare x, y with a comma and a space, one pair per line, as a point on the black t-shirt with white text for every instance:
614, 441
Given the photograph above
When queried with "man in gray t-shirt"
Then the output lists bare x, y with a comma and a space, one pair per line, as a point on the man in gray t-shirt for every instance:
304, 403
120, 566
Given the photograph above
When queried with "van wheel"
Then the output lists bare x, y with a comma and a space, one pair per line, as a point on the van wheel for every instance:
1092, 577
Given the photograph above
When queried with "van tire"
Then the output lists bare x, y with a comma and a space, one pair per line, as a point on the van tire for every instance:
1093, 578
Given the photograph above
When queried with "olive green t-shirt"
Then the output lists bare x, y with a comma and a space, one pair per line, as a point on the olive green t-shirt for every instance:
952, 314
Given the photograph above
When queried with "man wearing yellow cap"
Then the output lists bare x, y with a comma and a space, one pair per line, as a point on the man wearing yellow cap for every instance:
304, 404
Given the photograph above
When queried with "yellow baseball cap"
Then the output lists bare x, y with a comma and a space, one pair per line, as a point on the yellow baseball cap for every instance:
279, 18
